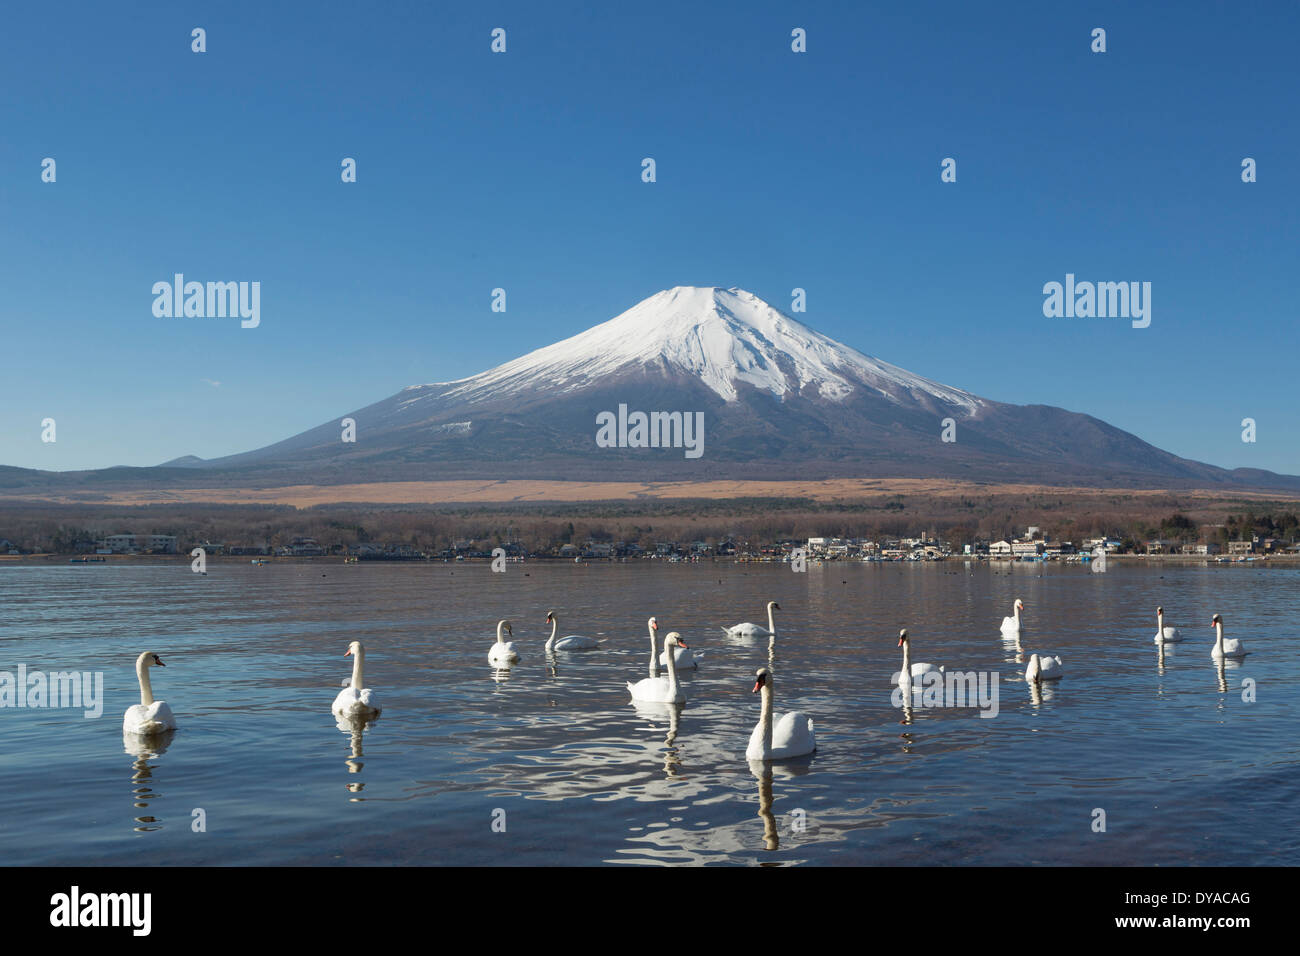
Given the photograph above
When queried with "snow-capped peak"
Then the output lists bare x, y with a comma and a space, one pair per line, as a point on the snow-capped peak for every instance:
723, 337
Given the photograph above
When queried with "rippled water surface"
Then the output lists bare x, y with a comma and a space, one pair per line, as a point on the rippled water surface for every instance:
1185, 770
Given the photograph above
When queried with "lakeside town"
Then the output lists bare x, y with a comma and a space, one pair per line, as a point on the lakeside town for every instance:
1032, 545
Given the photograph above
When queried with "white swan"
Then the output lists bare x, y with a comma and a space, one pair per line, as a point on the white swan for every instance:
653, 625
1226, 648
756, 630
355, 699
792, 736
503, 653
571, 642
1011, 625
1043, 668
904, 677
683, 656
149, 716
663, 690
1165, 635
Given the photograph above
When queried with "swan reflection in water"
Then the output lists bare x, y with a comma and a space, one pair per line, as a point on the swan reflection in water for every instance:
1041, 692
656, 712
355, 728
144, 748
771, 839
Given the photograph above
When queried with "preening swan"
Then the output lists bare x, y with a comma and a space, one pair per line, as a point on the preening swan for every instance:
755, 630
1165, 635
1011, 625
1044, 668
149, 716
792, 735
1231, 647
503, 653
663, 690
356, 700
571, 642
910, 671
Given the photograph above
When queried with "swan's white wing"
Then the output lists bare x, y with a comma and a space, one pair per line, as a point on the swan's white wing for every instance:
153, 719
792, 735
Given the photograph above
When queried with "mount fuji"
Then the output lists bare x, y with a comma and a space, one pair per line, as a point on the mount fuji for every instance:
779, 401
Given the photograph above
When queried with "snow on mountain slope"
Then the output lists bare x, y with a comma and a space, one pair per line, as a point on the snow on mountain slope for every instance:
723, 337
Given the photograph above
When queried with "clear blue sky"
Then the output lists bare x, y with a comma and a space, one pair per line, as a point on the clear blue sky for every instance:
522, 170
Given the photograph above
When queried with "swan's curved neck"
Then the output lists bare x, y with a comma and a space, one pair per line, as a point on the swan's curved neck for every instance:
500, 627
1015, 609
654, 652
358, 666
555, 626
670, 657
766, 715
907, 660
1218, 635
142, 672
771, 627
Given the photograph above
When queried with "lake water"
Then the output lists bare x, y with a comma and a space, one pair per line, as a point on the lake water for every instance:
1184, 770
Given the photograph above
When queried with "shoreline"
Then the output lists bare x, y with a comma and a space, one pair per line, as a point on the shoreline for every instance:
334, 559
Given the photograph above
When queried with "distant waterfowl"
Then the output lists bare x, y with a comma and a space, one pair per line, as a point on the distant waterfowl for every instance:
910, 671
1011, 625
149, 716
1044, 667
503, 653
756, 630
571, 642
790, 735
356, 699
1231, 647
1165, 635
664, 690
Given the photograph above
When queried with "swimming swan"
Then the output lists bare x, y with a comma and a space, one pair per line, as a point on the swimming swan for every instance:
503, 653
356, 700
910, 670
663, 690
1226, 648
149, 716
1011, 625
792, 736
1043, 668
756, 630
1165, 635
571, 642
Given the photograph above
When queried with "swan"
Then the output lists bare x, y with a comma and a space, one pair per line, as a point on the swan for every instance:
571, 642
149, 716
503, 654
1011, 625
1165, 635
683, 655
653, 625
756, 630
1226, 648
355, 699
910, 670
663, 690
792, 736
1043, 668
